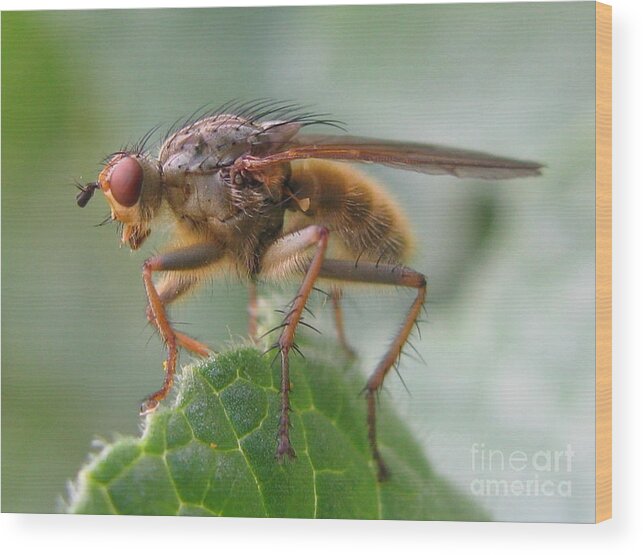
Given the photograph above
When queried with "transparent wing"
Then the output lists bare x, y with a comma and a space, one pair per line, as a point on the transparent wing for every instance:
423, 158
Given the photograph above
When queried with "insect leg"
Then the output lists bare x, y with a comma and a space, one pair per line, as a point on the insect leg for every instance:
186, 258
385, 274
252, 310
171, 288
336, 297
285, 248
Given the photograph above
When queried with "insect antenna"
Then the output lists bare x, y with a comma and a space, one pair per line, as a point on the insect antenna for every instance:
86, 192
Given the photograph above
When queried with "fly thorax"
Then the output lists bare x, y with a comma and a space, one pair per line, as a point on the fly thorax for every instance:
201, 197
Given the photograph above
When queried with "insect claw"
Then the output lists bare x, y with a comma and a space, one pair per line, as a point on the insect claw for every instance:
383, 473
285, 450
148, 406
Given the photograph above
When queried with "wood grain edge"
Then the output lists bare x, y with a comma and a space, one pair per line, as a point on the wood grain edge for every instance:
603, 262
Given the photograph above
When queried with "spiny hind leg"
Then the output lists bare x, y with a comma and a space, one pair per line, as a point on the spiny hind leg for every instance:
369, 272
183, 259
283, 252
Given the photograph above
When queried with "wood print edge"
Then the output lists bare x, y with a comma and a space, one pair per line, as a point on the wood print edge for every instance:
603, 262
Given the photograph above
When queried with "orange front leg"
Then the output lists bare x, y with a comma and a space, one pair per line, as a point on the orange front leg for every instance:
181, 260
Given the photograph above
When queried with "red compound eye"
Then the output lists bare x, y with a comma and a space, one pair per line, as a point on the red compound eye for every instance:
125, 181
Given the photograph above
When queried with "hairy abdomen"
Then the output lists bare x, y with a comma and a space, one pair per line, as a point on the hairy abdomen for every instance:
364, 221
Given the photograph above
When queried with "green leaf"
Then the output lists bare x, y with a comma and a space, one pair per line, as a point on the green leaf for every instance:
212, 452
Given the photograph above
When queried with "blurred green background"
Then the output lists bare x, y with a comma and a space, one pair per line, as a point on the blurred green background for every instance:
509, 339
